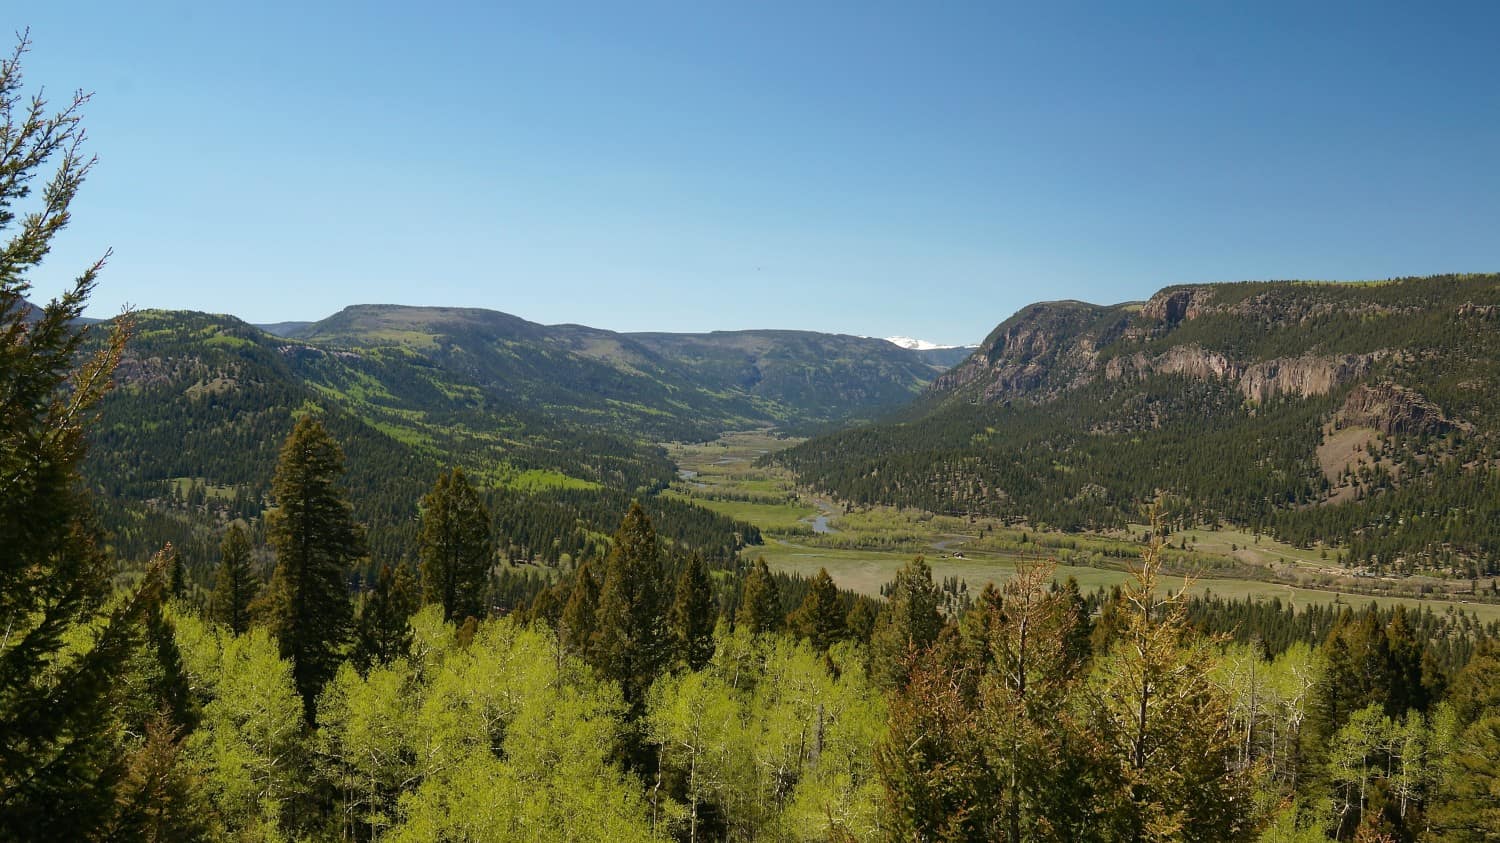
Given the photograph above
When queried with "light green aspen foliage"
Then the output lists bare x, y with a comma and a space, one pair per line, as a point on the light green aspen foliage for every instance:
512, 739
780, 744
507, 738
249, 745
1268, 703
362, 743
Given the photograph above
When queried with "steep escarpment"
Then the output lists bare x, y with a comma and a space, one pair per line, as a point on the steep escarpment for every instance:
1041, 350
1074, 413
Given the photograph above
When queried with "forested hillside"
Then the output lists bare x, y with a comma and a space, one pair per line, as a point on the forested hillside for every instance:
557, 423
1363, 416
662, 386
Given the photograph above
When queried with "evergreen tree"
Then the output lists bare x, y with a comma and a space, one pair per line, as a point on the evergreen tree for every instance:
383, 632
177, 583
760, 600
313, 533
1166, 743
547, 606
692, 617
909, 623
576, 626
630, 641
860, 622
820, 618
235, 584
59, 752
457, 549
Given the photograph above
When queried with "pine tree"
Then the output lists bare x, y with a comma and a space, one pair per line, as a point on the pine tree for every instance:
235, 584
631, 644
59, 760
383, 632
457, 549
313, 533
577, 624
908, 623
760, 600
1166, 742
177, 584
1467, 798
692, 617
860, 622
820, 618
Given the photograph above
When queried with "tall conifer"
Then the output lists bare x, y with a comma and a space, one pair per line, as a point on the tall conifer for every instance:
457, 548
760, 600
577, 625
820, 618
630, 638
316, 541
383, 632
908, 623
58, 730
692, 617
235, 583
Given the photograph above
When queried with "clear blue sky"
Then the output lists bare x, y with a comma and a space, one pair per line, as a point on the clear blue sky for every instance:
918, 168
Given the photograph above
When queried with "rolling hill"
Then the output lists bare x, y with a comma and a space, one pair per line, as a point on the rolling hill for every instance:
1360, 416
559, 422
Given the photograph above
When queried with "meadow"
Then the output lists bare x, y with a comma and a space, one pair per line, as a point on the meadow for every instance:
862, 548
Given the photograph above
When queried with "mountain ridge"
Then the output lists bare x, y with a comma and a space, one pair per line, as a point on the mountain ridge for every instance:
1234, 397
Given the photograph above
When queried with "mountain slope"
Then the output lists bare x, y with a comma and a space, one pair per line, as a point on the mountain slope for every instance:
190, 435
558, 421
1362, 415
660, 386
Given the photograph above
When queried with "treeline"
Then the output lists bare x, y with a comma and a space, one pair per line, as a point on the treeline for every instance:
1114, 448
1450, 638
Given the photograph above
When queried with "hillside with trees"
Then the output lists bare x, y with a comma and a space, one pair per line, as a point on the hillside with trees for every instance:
1359, 416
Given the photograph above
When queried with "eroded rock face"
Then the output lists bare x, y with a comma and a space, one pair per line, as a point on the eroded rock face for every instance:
1393, 409
1187, 360
1051, 348
1174, 305
1044, 347
1304, 376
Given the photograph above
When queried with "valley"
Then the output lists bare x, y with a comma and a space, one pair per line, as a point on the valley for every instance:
862, 549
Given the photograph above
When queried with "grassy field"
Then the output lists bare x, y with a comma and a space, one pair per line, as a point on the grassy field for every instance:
865, 571
863, 548
722, 476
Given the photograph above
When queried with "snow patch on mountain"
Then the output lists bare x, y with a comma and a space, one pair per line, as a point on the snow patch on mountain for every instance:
919, 345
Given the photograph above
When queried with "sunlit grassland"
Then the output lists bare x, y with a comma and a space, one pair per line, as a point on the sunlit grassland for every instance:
785, 518
865, 571
722, 476
868, 544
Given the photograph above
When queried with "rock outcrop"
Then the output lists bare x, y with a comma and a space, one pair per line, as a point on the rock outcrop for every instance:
1174, 304
1393, 409
1304, 376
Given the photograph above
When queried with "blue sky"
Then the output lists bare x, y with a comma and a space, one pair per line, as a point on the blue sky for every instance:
868, 168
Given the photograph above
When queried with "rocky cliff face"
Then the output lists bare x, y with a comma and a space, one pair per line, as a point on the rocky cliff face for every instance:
1268, 340
1043, 349
1393, 409
1303, 376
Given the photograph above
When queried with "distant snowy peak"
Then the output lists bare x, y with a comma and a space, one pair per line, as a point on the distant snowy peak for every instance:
919, 345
